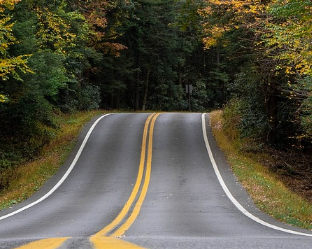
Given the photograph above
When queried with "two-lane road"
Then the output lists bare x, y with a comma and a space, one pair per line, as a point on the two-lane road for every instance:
149, 180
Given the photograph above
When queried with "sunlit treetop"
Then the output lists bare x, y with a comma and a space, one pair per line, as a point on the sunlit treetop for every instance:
9, 65
103, 33
7, 4
222, 16
290, 33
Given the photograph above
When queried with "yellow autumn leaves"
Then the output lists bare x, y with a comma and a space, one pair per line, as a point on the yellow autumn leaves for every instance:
54, 31
285, 28
223, 16
9, 65
291, 34
9, 4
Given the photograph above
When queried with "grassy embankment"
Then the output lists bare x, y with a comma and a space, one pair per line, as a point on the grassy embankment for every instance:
29, 177
268, 193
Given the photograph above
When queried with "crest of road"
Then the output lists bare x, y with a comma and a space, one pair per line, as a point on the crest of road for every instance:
145, 181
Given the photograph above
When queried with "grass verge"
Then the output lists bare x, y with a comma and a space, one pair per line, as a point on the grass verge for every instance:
267, 192
29, 177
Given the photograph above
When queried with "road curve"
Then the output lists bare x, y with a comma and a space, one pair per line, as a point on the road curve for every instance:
145, 181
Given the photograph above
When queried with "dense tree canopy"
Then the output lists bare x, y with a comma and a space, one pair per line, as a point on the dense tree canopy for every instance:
266, 49
62, 56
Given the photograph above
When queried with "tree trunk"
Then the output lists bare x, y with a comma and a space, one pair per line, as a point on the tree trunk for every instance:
137, 83
146, 83
271, 105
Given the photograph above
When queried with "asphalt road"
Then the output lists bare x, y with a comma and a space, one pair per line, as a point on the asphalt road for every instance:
145, 181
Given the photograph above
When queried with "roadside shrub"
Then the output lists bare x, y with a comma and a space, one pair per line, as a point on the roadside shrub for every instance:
246, 111
306, 118
79, 97
67, 100
232, 118
89, 98
199, 98
31, 117
5, 178
304, 91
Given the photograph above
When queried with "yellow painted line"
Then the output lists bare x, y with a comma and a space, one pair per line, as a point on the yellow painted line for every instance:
45, 243
139, 203
135, 190
100, 239
113, 243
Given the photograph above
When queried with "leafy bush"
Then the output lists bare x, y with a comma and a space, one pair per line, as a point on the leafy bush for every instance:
89, 98
303, 90
232, 118
199, 98
31, 118
74, 98
247, 111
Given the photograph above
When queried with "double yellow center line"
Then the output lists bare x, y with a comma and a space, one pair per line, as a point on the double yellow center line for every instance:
106, 237
122, 223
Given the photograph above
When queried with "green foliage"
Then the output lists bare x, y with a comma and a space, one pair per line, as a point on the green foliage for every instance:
304, 90
89, 98
232, 115
31, 118
150, 73
47, 85
200, 97
290, 35
288, 41
141, 54
263, 62
57, 37
253, 121
9, 65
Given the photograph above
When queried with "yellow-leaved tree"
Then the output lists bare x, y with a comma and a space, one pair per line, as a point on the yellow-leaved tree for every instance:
289, 40
221, 16
9, 65
290, 27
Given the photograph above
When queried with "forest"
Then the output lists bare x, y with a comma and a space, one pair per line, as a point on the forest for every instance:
252, 58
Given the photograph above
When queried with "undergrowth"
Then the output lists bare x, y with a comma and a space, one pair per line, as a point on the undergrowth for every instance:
268, 192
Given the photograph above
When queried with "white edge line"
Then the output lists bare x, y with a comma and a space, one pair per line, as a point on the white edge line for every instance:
63, 177
231, 197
